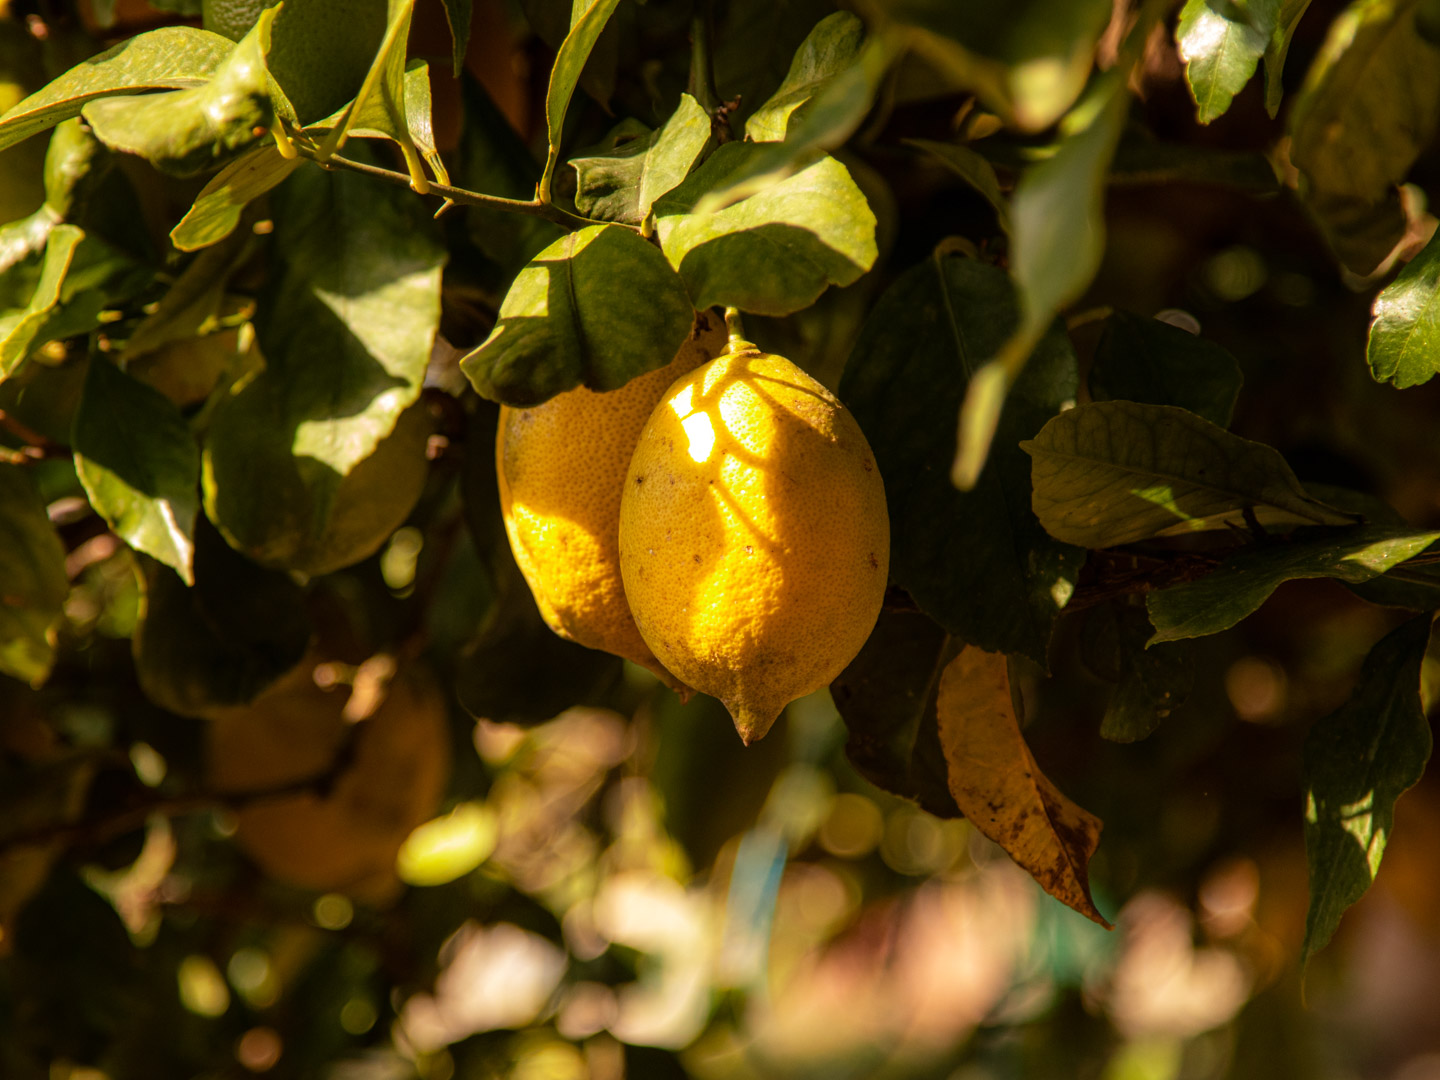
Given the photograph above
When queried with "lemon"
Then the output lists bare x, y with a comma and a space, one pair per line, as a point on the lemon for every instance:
754, 540
345, 839
561, 467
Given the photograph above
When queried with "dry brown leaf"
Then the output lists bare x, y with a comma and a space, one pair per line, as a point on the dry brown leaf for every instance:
997, 784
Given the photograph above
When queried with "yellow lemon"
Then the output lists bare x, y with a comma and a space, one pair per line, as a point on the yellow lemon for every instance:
561, 467
754, 540
344, 837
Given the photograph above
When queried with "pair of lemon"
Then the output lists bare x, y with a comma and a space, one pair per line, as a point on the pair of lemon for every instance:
719, 520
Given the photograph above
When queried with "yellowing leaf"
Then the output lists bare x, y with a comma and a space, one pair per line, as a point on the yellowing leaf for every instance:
998, 786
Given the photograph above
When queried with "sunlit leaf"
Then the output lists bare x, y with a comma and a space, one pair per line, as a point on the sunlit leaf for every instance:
1246, 579
976, 561
1357, 763
448, 847
595, 308
824, 53
622, 185
171, 58
1221, 42
19, 329
184, 132
1404, 344
1152, 362
774, 252
1000, 788
140, 466
32, 579
1114, 472
585, 29
218, 207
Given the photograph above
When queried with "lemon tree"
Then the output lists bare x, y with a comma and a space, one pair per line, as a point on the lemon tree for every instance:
532, 535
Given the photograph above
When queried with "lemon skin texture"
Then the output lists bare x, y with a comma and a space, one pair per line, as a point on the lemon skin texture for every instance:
561, 468
347, 839
754, 539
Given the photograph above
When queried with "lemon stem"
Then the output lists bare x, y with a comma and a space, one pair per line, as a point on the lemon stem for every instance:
736, 328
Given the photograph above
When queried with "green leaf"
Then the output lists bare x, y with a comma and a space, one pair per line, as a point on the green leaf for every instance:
458, 14
218, 207
596, 308
20, 329
623, 184
1150, 684
191, 307
1057, 242
1154, 363
1027, 60
1404, 344
887, 698
139, 464
1357, 763
1143, 159
1246, 579
185, 132
826, 121
1221, 42
977, 562
32, 579
224, 640
774, 252
1291, 12
320, 54
974, 170
585, 27
823, 55
171, 58
1370, 105
1114, 472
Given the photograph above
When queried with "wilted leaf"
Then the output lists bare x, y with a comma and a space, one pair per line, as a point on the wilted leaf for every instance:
1114, 472
622, 185
974, 170
887, 698
978, 562
1370, 105
824, 53
224, 640
1000, 788
1154, 363
1246, 579
171, 58
32, 579
139, 464
218, 207
774, 252
1221, 42
596, 308
1404, 344
1357, 763
1276, 51
184, 132
585, 27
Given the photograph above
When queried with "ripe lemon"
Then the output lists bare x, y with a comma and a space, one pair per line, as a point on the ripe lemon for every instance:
561, 467
347, 838
754, 540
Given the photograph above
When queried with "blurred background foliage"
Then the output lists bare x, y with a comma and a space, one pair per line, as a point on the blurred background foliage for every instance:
601, 881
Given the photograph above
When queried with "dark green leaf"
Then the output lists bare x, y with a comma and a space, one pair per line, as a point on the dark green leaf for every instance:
974, 170
585, 27
139, 465
191, 306
222, 641
822, 56
1404, 344
1114, 472
457, 14
218, 207
623, 184
19, 329
1243, 581
887, 698
1154, 363
320, 53
1143, 159
1221, 42
32, 579
977, 561
1370, 105
75, 164
1150, 683
171, 58
1276, 51
596, 308
774, 252
1357, 763
185, 132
